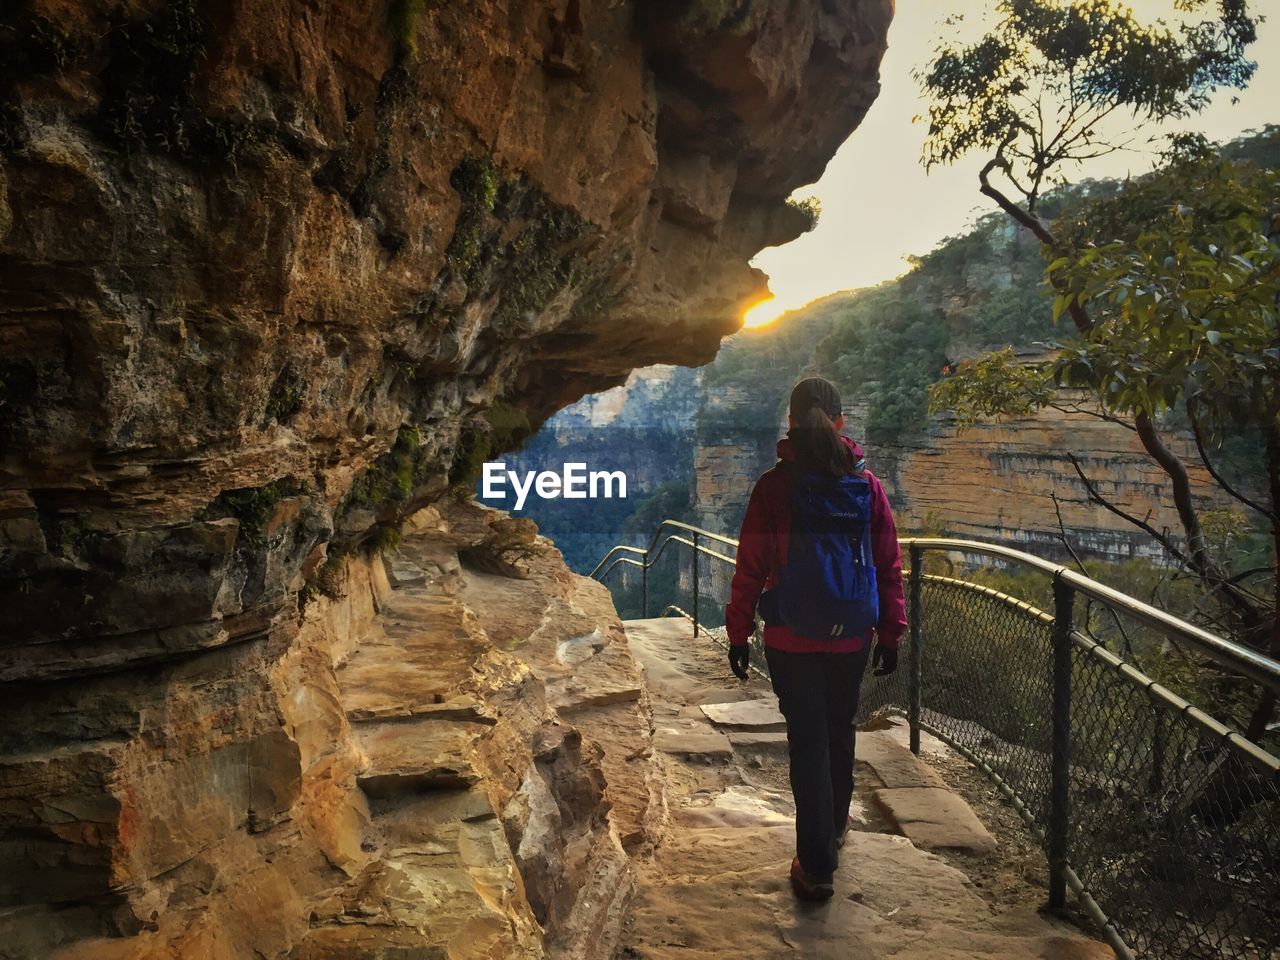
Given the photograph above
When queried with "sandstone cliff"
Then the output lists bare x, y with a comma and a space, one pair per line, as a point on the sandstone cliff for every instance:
273, 277
419, 771
995, 481
643, 429
265, 267
999, 480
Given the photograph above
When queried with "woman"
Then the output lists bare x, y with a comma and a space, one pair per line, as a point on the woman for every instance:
818, 554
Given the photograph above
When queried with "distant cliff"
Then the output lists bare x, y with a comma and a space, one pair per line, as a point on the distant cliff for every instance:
644, 429
995, 481
1011, 482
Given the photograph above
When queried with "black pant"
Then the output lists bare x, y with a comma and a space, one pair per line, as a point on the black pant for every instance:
818, 694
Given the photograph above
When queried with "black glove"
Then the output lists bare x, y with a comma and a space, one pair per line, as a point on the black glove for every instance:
884, 660
739, 657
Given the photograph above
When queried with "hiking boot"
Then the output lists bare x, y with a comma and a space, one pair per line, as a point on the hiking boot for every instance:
840, 838
806, 887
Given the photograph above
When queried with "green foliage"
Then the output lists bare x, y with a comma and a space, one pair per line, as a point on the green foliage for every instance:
385, 538
1034, 91
476, 180
886, 348
286, 396
1181, 281
253, 507
405, 17
502, 427
390, 477
765, 363
538, 266
327, 579
1184, 297
993, 385
810, 208
890, 344
1260, 147
526, 267
70, 535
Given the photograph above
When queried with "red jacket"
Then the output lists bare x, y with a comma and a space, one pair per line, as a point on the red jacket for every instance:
762, 552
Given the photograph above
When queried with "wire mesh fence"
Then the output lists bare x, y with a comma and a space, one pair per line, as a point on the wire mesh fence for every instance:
1163, 819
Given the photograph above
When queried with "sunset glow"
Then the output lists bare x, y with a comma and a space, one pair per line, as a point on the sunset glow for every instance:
763, 313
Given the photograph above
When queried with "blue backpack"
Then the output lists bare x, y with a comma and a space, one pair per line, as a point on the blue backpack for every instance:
827, 590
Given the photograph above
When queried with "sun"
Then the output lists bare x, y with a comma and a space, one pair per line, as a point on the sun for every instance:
762, 314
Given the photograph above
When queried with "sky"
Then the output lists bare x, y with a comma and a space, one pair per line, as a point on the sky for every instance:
879, 206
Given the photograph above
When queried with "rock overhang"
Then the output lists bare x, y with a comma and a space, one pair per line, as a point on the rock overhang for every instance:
275, 279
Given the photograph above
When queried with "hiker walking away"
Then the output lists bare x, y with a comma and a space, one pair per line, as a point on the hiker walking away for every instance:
818, 558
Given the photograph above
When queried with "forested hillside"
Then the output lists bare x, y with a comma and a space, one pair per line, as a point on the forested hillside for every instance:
885, 346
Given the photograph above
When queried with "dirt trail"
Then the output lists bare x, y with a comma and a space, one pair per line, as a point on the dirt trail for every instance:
716, 885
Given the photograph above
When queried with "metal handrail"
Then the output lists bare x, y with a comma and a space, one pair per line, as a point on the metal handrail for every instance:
1250, 663
665, 524
1065, 640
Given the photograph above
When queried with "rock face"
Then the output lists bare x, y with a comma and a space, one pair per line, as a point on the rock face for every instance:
273, 278
265, 267
409, 776
995, 481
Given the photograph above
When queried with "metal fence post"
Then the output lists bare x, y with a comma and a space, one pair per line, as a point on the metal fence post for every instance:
695, 586
644, 586
1064, 598
914, 651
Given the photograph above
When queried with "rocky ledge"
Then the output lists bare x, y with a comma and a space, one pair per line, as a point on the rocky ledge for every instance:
413, 775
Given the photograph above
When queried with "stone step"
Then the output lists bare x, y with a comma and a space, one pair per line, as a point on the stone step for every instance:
411, 756
760, 715
935, 818
445, 884
894, 765
750, 741
689, 744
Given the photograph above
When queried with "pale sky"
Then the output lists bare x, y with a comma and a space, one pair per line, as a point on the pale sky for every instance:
878, 205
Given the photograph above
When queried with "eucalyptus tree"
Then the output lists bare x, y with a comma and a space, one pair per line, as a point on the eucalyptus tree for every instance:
1170, 283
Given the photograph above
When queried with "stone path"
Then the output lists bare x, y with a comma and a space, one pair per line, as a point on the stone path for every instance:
716, 884
494, 722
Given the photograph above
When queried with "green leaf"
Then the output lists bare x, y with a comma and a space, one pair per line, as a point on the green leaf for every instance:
1059, 304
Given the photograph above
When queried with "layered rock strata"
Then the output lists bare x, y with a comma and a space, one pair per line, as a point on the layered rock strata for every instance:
274, 276
1005, 481
408, 777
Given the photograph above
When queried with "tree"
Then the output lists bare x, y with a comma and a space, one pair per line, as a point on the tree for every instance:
1040, 93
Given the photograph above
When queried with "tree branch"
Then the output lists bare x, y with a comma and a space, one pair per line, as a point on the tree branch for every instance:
1028, 220
1199, 559
1142, 525
1099, 414
1038, 229
1213, 472
1062, 535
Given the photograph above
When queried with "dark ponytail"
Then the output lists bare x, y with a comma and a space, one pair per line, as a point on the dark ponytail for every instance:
815, 404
